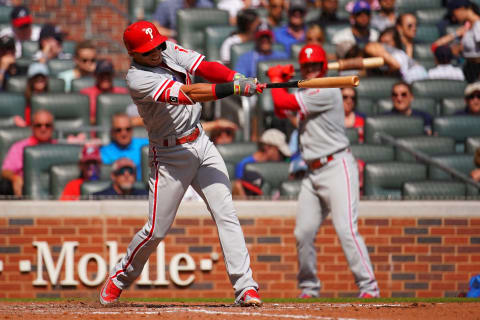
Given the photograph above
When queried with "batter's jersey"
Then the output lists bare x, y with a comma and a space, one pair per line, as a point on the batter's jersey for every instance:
321, 128
147, 84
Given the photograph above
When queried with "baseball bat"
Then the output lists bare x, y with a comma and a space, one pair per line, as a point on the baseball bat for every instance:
328, 82
356, 63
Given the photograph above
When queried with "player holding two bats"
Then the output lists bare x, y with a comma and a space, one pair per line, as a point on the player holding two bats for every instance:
331, 184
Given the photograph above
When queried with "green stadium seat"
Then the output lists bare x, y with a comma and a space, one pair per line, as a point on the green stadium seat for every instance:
273, 173
431, 190
11, 105
385, 179
69, 47
81, 83
141, 9
191, 24
290, 188
430, 16
472, 144
373, 152
36, 166
427, 105
9, 136
450, 106
5, 14
365, 106
429, 145
438, 89
376, 87
58, 65
427, 63
427, 33
460, 162
71, 110
29, 48
214, 37
422, 51
240, 48
312, 15
352, 135
414, 5
236, 151
22, 64
331, 30
19, 83
396, 126
458, 127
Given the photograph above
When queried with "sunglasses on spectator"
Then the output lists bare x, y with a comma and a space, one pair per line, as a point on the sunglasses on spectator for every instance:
47, 125
474, 95
89, 60
118, 130
161, 47
411, 25
401, 94
122, 171
348, 97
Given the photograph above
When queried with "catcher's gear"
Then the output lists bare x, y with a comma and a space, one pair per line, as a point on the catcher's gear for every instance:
142, 36
245, 87
313, 53
281, 73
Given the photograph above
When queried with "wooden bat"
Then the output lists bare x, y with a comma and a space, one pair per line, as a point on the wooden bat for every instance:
328, 82
356, 63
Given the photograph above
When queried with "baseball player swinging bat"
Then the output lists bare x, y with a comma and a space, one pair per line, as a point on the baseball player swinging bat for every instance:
329, 82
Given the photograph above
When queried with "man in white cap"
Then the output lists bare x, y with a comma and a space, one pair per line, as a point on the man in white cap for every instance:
472, 99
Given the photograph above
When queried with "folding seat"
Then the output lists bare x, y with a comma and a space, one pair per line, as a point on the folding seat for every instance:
9, 136
396, 126
19, 83
376, 87
472, 144
69, 47
460, 162
236, 151
11, 105
5, 14
290, 188
422, 51
82, 83
36, 166
191, 24
144, 9
427, 33
373, 152
29, 48
365, 106
352, 135
385, 180
273, 173
429, 145
438, 89
440, 190
450, 106
55, 66
428, 105
458, 127
214, 37
413, 5
430, 16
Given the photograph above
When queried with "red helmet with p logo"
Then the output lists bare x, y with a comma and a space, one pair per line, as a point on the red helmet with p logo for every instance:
142, 36
313, 53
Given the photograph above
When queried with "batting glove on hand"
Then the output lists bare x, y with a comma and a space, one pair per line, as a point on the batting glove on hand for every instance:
246, 87
238, 75
281, 73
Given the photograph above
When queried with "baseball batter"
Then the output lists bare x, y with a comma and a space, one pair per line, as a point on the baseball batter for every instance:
181, 154
331, 184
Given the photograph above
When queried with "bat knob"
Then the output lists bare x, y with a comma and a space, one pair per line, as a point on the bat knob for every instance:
355, 81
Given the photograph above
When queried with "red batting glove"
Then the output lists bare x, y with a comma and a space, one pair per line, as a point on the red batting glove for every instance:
275, 73
288, 71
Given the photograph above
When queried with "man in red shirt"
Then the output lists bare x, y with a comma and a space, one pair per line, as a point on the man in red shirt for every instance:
104, 73
89, 170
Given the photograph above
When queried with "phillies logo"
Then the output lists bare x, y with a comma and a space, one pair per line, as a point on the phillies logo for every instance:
149, 31
308, 52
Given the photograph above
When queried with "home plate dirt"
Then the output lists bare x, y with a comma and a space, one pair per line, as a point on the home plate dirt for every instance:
86, 310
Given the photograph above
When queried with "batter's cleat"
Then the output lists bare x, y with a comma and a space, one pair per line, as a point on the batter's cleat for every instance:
109, 293
305, 296
250, 299
367, 295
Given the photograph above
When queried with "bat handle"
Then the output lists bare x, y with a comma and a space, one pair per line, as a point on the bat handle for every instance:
290, 84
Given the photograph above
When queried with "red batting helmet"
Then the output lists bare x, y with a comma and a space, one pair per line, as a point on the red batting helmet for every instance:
313, 53
142, 36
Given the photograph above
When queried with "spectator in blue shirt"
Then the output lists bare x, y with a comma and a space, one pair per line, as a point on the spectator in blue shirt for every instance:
402, 98
123, 144
247, 62
294, 31
165, 16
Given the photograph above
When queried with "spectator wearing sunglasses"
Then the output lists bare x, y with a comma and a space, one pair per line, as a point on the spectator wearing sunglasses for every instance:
85, 58
21, 28
406, 26
123, 180
12, 168
123, 144
472, 99
104, 73
402, 98
89, 165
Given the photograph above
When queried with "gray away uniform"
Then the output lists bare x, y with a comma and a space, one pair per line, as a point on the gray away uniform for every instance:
175, 167
332, 188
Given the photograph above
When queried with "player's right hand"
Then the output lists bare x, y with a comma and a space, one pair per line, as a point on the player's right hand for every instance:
281, 73
246, 87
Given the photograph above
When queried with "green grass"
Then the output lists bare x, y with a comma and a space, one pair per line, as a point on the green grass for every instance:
272, 300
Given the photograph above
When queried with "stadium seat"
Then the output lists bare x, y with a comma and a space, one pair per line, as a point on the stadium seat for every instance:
396, 126
365, 106
36, 166
141, 9
290, 188
422, 51
376, 87
460, 162
71, 110
29, 48
312, 15
428, 105
427, 63
438, 89
81, 83
236, 151
69, 47
458, 127
373, 152
19, 83
427, 33
430, 16
191, 24
352, 135
386, 179
5, 14
90, 187
429, 145
240, 48
273, 173
55, 66
441, 190
413, 5
472, 144
214, 37
9, 136
11, 105
450, 106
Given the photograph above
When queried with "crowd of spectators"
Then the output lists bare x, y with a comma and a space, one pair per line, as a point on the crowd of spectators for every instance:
362, 29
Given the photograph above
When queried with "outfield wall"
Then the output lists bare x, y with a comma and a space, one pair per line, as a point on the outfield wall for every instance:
419, 249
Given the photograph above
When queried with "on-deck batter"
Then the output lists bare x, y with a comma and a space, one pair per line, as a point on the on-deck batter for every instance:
331, 184
181, 154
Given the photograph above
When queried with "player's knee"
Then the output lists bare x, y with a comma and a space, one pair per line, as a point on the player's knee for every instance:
305, 234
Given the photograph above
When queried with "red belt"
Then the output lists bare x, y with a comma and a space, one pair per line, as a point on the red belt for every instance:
318, 163
188, 138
